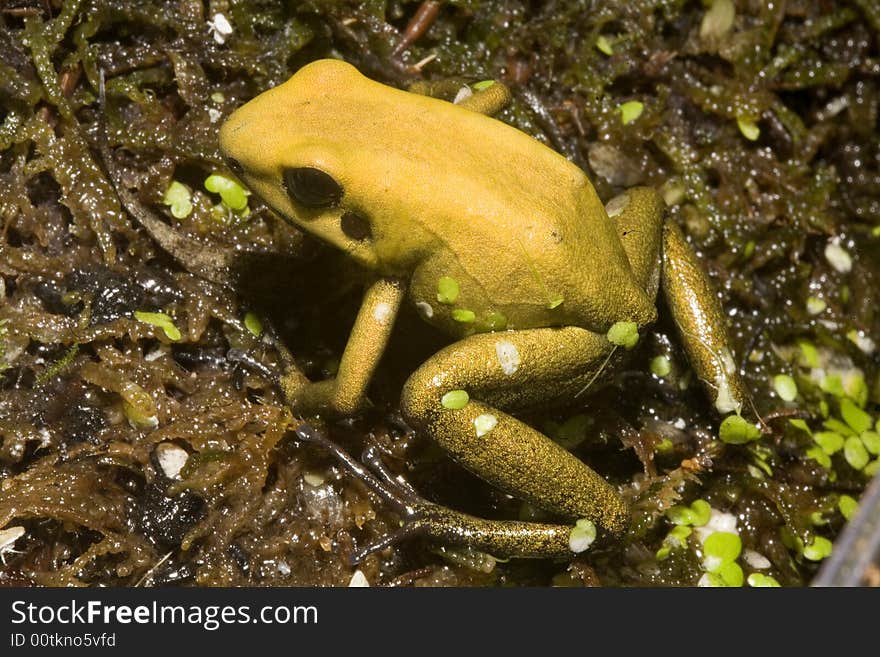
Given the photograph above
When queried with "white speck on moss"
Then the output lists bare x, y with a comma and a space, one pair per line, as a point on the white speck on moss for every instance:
719, 521
582, 536
171, 459
155, 354
862, 341
756, 560
220, 27
712, 563
313, 479
837, 256
425, 309
359, 580
508, 356
705, 581
214, 115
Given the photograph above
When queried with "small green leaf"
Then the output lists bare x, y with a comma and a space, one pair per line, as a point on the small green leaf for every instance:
582, 535
785, 387
483, 84
833, 424
871, 441
555, 302
678, 536
464, 316
854, 416
701, 513
819, 549
604, 45
872, 468
731, 574
815, 305
455, 399
697, 514
855, 453
800, 424
809, 354
819, 456
138, 406
253, 324
447, 290
748, 128
160, 320
847, 506
830, 441
179, 198
723, 546
857, 389
630, 111
718, 20
735, 430
760, 580
623, 334
233, 195
833, 385
660, 366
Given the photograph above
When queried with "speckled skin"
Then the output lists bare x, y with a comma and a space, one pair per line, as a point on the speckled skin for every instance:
450, 192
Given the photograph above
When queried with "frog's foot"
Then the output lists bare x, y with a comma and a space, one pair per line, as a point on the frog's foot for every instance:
420, 517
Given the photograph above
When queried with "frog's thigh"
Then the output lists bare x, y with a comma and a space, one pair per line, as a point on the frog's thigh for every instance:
513, 369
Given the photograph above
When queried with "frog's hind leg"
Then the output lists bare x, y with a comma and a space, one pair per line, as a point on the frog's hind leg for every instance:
515, 370
659, 256
439, 523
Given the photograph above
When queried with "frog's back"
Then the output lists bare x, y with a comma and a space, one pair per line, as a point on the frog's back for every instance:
515, 223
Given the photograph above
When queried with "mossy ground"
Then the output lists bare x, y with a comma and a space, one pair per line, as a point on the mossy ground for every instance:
759, 122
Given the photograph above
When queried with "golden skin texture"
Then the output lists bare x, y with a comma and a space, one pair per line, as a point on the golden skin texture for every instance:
428, 191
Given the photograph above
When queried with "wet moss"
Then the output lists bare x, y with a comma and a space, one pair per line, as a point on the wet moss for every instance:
761, 131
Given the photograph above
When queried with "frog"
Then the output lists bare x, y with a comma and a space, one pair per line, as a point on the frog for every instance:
502, 244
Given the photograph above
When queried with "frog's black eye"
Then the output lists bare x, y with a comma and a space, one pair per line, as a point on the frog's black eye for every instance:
312, 188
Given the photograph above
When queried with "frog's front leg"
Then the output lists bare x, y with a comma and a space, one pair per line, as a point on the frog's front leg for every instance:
516, 370
345, 393
488, 97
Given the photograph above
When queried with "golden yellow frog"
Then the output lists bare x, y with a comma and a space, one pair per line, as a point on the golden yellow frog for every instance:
500, 242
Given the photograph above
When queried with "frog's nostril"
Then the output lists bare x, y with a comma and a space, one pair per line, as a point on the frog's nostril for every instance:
356, 226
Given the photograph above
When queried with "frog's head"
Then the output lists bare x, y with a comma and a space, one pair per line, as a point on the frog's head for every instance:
309, 148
